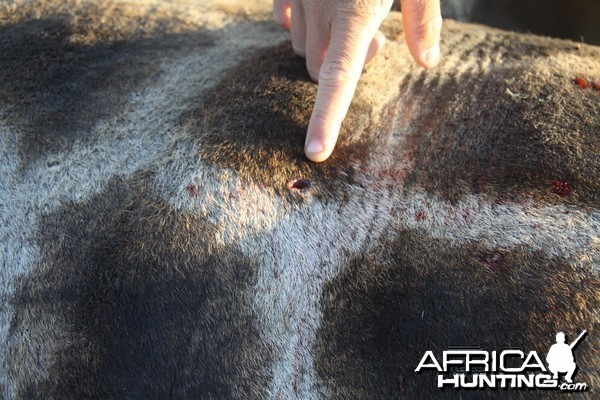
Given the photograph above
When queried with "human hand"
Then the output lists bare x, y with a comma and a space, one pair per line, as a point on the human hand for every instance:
337, 37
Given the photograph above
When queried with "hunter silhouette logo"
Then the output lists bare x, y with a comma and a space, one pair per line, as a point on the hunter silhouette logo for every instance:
560, 356
471, 368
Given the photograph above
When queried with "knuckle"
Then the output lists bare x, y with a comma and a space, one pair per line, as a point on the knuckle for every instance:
428, 27
363, 10
335, 73
357, 17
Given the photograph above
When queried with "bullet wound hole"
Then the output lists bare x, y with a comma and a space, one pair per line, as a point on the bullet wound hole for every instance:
561, 188
192, 190
300, 184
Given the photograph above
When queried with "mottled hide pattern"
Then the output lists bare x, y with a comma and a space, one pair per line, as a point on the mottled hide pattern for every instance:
163, 236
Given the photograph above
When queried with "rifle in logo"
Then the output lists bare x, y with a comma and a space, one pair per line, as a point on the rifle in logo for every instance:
560, 356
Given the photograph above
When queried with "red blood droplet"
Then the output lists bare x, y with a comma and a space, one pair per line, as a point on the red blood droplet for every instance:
300, 184
420, 215
561, 188
192, 190
582, 83
493, 259
596, 85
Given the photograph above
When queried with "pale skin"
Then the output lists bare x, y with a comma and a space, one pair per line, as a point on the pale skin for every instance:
337, 37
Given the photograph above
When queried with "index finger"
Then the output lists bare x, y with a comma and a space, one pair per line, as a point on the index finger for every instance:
338, 77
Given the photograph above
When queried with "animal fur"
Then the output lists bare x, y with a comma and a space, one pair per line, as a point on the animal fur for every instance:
153, 244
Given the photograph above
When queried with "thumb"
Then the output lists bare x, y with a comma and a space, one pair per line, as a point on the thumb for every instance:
422, 21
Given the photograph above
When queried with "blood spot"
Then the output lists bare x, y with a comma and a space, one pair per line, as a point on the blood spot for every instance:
192, 190
582, 83
300, 184
400, 380
596, 85
494, 259
561, 188
420, 215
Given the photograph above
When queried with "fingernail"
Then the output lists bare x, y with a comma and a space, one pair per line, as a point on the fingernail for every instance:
432, 56
314, 147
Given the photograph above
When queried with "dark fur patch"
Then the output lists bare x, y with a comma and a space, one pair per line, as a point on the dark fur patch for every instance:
147, 306
254, 122
493, 131
57, 86
504, 131
417, 294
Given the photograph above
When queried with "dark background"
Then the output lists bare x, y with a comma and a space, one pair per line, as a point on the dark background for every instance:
577, 20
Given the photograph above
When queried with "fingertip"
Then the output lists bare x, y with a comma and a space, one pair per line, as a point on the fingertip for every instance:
315, 150
431, 57
320, 140
282, 13
376, 45
299, 51
287, 19
423, 25
426, 52
314, 75
380, 39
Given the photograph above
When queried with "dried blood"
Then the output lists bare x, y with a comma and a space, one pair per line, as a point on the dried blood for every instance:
582, 83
